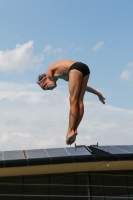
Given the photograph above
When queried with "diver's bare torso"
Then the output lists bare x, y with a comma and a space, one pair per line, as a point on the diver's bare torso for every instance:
60, 70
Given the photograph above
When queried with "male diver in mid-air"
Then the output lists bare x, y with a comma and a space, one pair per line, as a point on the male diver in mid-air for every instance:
77, 75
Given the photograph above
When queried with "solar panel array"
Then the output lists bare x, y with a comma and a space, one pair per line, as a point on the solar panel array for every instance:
57, 152
12, 155
43, 153
36, 153
117, 149
128, 149
65, 155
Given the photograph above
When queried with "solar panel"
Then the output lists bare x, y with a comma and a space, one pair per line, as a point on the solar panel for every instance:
112, 150
13, 155
78, 151
126, 148
36, 153
57, 152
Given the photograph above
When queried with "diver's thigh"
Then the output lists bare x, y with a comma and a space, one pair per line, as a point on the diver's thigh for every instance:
75, 82
83, 87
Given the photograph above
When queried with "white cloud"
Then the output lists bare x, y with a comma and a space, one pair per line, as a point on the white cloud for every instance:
17, 138
6, 137
34, 118
98, 46
20, 58
69, 48
54, 51
78, 49
57, 50
49, 49
20, 92
128, 73
130, 64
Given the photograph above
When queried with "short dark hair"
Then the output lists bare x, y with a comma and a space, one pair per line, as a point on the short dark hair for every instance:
40, 77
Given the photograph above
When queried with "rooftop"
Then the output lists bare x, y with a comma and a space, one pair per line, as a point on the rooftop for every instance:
57, 160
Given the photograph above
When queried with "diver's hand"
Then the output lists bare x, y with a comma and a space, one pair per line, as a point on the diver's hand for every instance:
101, 98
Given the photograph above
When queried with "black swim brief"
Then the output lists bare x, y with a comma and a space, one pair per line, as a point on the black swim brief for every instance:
83, 68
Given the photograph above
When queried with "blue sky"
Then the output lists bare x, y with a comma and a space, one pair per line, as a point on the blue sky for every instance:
33, 35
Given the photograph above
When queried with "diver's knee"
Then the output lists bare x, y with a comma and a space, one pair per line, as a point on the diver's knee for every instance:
73, 100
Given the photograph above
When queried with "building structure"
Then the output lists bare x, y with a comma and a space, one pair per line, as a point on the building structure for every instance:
80, 172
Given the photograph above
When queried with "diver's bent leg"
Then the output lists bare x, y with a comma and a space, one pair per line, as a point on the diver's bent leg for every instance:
80, 115
73, 114
81, 104
75, 82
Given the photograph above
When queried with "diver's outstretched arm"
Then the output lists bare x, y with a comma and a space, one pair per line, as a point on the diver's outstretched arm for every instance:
92, 90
